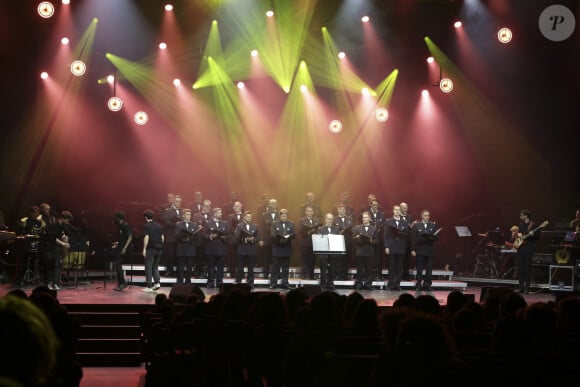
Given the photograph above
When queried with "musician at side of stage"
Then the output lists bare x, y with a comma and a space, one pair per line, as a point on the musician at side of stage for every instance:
32, 224
423, 236
328, 262
235, 217
201, 218
282, 232
248, 239
575, 223
216, 235
308, 226
395, 242
525, 245
185, 235
266, 220
365, 237
345, 224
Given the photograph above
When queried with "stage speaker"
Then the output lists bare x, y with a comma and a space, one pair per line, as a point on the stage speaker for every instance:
539, 274
228, 288
493, 292
311, 291
179, 293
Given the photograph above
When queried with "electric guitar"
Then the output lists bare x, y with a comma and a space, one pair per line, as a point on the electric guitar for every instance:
520, 241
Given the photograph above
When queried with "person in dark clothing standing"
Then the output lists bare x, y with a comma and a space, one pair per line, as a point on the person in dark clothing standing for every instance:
121, 246
422, 237
247, 238
153, 239
216, 235
365, 238
282, 233
525, 244
395, 238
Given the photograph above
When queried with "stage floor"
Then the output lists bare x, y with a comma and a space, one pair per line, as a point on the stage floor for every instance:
102, 293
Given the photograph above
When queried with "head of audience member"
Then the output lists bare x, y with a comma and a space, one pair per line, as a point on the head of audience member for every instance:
365, 320
29, 343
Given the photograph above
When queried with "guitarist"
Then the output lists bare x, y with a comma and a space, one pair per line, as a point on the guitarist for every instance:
527, 238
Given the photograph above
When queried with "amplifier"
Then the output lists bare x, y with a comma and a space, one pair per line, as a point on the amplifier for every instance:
562, 278
542, 259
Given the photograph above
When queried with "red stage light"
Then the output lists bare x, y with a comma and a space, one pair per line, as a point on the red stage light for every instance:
457, 24
162, 45
65, 2
64, 41
176, 82
44, 75
425, 93
430, 59
168, 7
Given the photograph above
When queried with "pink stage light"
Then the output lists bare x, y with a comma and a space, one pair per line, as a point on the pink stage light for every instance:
115, 104
335, 126
446, 85
141, 118
381, 114
430, 59
254, 53
365, 19
303, 88
110, 79
269, 13
162, 45
64, 41
504, 35
168, 7
44, 75
457, 24
241, 85
342, 55
45, 9
78, 68
425, 93
65, 2
176, 82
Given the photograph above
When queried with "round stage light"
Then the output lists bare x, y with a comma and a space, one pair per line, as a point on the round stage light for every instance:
254, 53
504, 35
269, 13
65, 2
45, 9
303, 88
44, 75
115, 104
365, 91
341, 55
168, 7
65, 41
365, 19
162, 45
446, 85
176, 82
335, 126
241, 85
141, 118
381, 114
78, 68
457, 24
110, 79
425, 93
430, 59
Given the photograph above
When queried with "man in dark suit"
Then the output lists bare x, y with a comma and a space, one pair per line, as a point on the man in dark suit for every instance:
247, 239
267, 218
171, 216
526, 249
377, 219
407, 262
345, 224
328, 262
308, 226
233, 219
395, 240
365, 238
422, 238
185, 233
229, 206
216, 235
310, 202
201, 218
282, 232
345, 201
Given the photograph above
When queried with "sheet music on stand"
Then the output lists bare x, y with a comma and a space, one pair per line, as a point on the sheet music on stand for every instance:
328, 244
463, 231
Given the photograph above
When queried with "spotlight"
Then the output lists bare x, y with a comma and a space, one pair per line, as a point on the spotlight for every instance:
241, 85
64, 41
43, 75
65, 2
365, 19
381, 114
78, 68
115, 104
365, 91
446, 85
168, 7
110, 79
335, 126
162, 45
270, 13
176, 82
457, 24
303, 88
341, 55
504, 35
430, 59
425, 93
45, 9
141, 118
254, 53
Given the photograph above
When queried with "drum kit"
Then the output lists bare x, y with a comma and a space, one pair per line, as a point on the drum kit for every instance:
493, 259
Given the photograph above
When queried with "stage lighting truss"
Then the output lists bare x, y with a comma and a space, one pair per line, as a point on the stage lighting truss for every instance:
78, 68
446, 85
504, 35
335, 126
381, 114
141, 118
45, 9
115, 104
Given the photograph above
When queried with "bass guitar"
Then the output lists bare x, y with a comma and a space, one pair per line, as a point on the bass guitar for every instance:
520, 241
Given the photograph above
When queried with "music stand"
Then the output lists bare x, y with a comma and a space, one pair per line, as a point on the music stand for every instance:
328, 244
463, 231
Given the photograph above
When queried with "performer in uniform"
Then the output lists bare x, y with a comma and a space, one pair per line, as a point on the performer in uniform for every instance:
185, 234
216, 236
365, 239
247, 239
328, 262
308, 226
424, 233
282, 233
345, 224
395, 239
